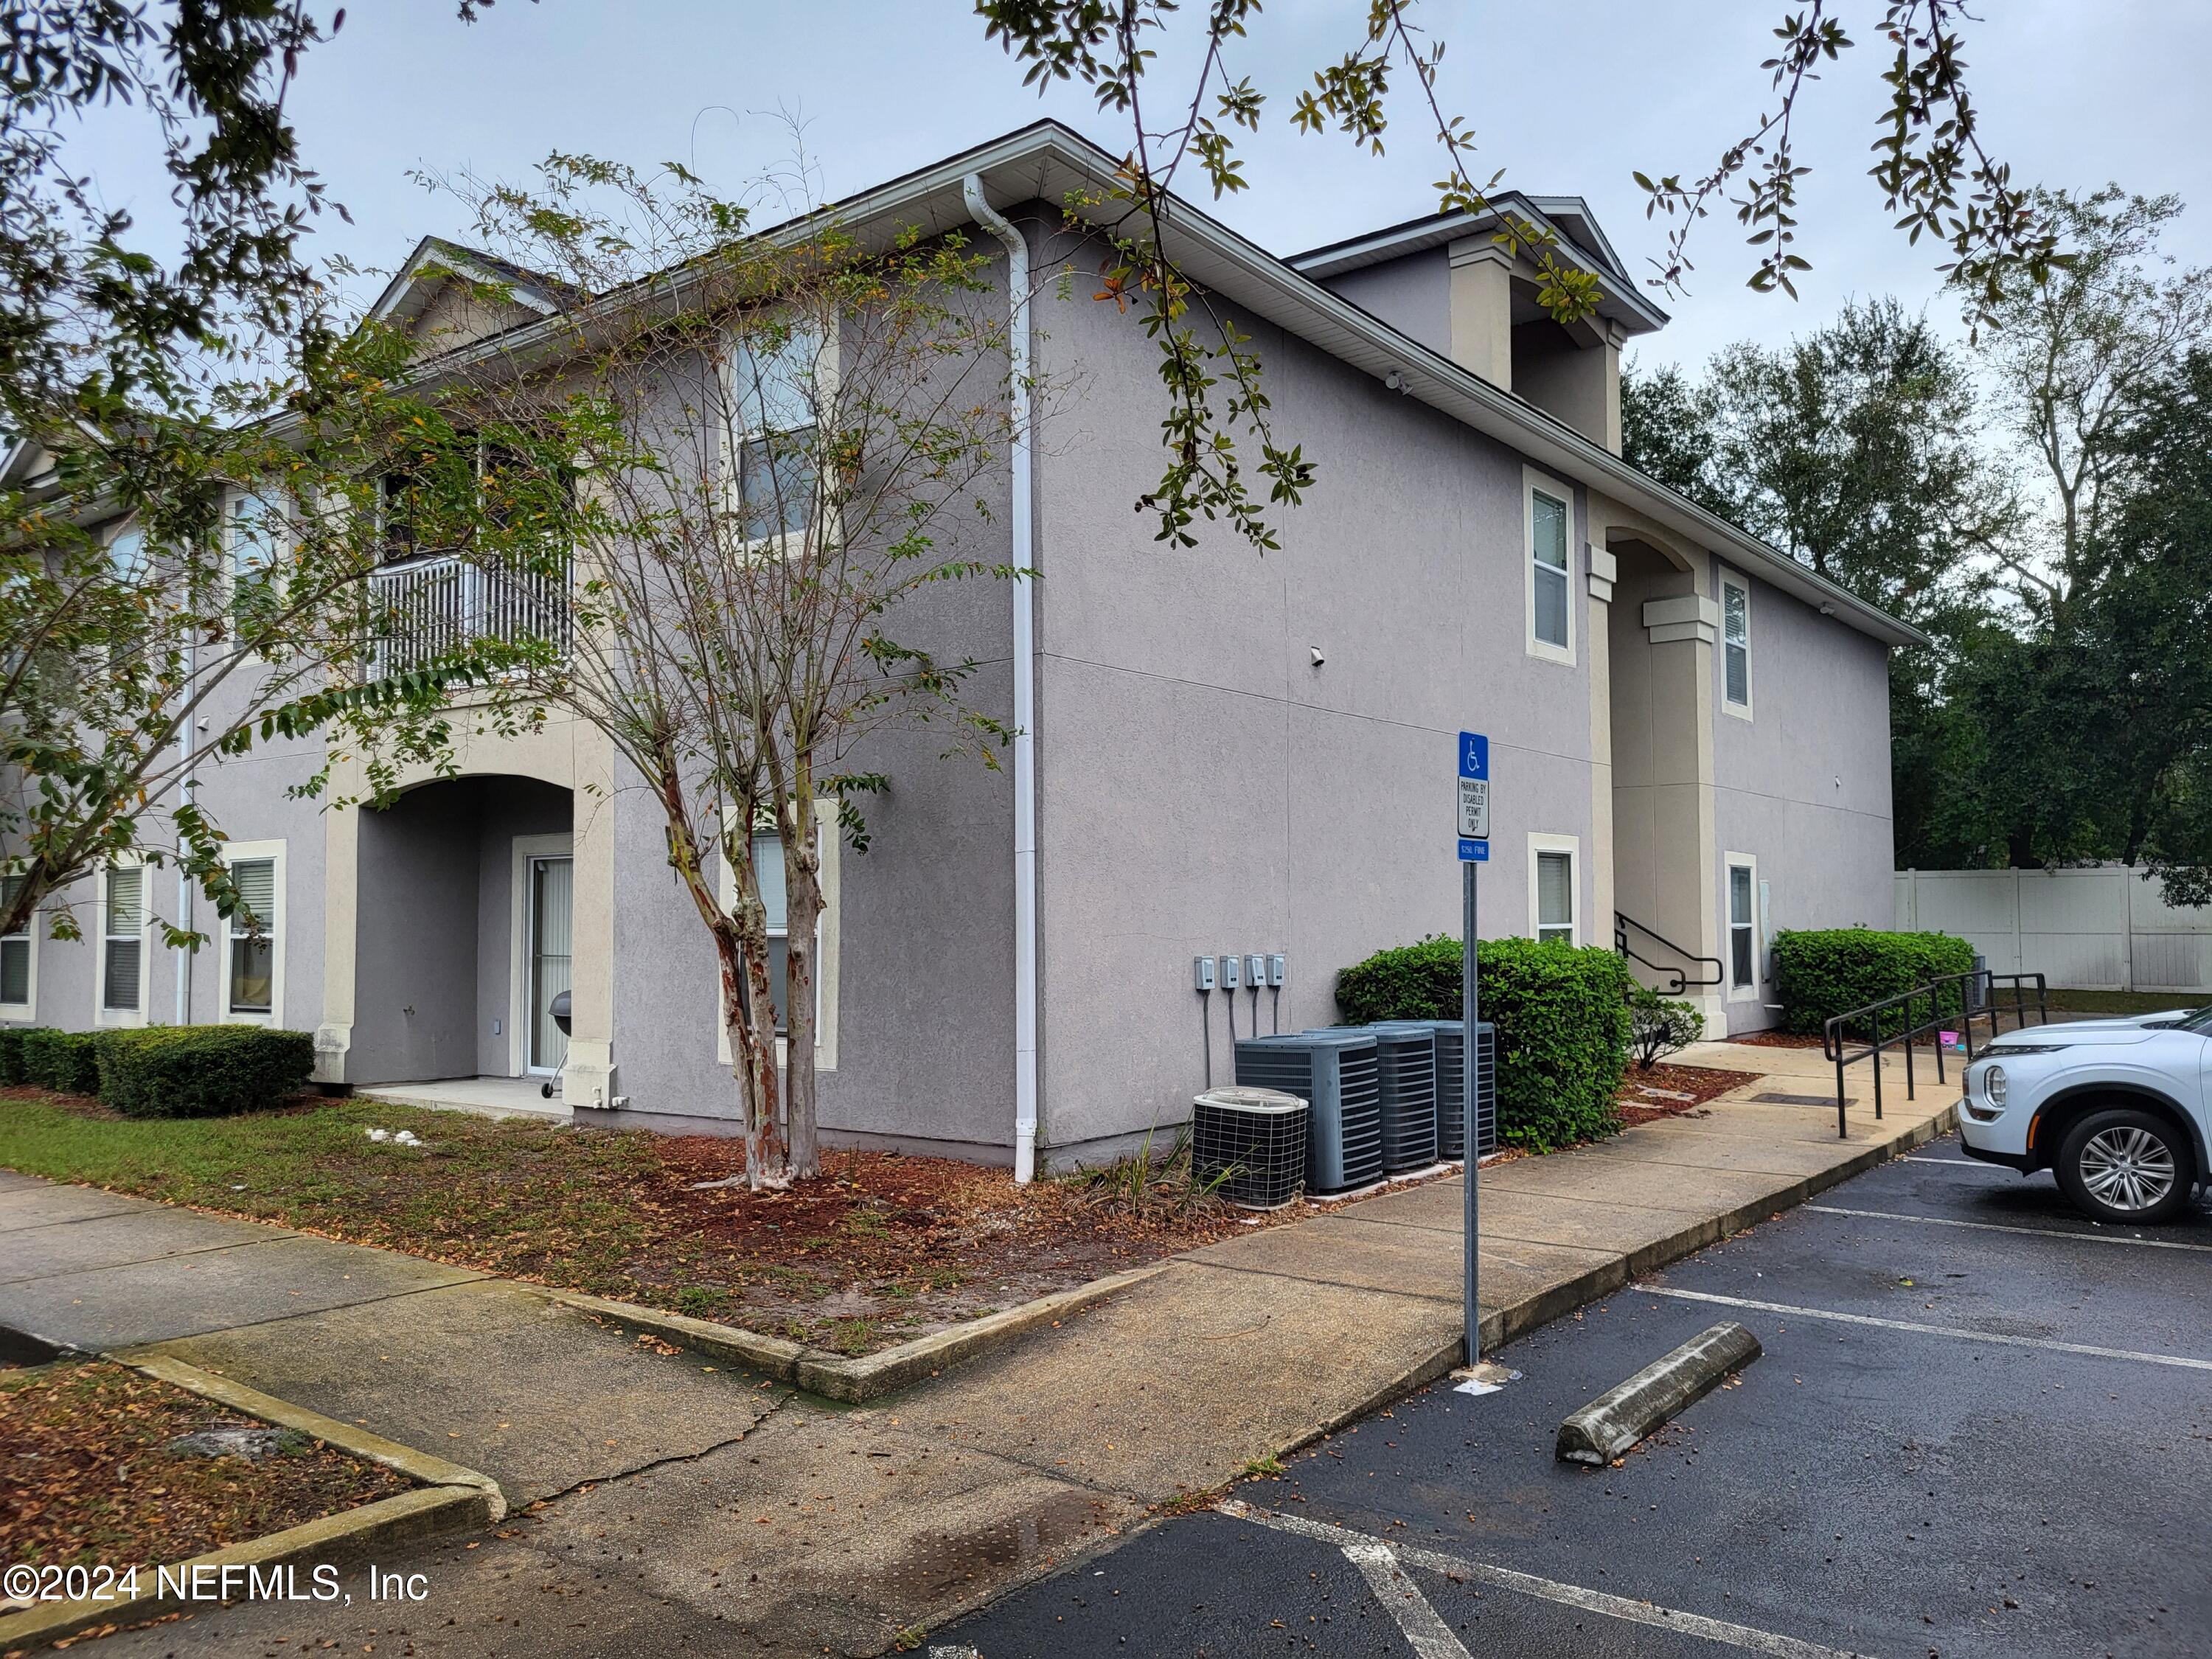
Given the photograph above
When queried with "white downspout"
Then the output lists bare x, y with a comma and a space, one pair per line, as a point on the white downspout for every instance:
1021, 512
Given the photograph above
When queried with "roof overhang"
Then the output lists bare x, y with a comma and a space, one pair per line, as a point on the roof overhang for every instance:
1049, 162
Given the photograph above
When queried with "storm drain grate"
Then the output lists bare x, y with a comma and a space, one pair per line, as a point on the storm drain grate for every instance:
1800, 1100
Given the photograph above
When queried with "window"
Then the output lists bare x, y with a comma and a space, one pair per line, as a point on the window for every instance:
258, 537
252, 980
768, 861
1743, 924
398, 505
1735, 642
1551, 914
775, 386
16, 964
123, 942
1549, 518
126, 553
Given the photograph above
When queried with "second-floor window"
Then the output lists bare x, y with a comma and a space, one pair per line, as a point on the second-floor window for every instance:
1735, 641
1548, 518
775, 390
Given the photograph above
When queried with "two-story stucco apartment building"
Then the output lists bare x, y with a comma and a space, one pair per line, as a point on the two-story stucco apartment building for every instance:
1225, 752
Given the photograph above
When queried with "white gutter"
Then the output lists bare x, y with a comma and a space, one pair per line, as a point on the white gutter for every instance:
1021, 513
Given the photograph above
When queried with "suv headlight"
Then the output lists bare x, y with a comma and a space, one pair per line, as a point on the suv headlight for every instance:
1993, 1086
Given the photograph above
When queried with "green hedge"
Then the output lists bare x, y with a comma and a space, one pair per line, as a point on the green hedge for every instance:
1562, 1017
11, 1053
1820, 975
202, 1070
64, 1061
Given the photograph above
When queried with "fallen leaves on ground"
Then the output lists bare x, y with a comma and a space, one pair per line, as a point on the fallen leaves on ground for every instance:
85, 1476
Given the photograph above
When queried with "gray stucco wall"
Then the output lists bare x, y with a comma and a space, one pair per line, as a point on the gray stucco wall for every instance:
924, 921
1804, 785
1204, 788
1413, 294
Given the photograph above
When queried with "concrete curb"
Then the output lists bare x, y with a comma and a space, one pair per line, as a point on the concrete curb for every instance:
1624, 1414
872, 1376
1501, 1325
449, 1497
349, 1437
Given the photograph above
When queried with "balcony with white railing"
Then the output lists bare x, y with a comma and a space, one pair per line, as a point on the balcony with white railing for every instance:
432, 605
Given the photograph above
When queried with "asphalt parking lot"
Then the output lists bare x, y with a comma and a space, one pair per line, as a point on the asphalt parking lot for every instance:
1982, 1426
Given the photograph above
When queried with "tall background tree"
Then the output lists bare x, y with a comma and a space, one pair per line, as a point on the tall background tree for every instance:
2033, 497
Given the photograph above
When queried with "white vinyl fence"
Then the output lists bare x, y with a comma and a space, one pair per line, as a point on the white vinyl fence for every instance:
2101, 928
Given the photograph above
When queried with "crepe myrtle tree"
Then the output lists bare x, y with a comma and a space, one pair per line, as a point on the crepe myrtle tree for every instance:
772, 442
1136, 58
193, 578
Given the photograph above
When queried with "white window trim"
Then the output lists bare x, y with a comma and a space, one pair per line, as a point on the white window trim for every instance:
26, 1010
1731, 862
238, 852
1742, 585
1572, 846
825, 949
102, 1015
561, 845
1531, 481
779, 545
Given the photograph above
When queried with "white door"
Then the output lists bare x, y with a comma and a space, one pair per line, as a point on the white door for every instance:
551, 907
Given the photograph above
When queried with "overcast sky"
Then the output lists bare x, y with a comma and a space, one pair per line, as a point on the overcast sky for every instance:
1567, 100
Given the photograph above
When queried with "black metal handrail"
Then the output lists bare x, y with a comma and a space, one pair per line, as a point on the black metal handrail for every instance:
1622, 922
1976, 1000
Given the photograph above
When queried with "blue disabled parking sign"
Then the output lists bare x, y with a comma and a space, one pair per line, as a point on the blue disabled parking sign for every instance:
1473, 798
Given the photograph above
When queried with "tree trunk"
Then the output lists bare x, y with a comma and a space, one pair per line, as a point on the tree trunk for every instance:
741, 954
801, 828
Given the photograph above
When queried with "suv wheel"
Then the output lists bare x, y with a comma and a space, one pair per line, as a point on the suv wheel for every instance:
2123, 1164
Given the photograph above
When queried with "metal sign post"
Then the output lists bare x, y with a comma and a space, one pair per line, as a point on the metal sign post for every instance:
1474, 849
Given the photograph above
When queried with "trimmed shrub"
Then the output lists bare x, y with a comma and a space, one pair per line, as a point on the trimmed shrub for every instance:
1820, 975
11, 1053
64, 1061
1659, 1026
1562, 1017
202, 1070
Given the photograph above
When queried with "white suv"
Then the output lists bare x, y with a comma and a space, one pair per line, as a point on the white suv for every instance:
2115, 1109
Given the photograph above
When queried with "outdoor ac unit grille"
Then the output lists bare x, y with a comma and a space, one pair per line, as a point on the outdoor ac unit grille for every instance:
1256, 1138
1406, 1065
1336, 1074
1451, 1085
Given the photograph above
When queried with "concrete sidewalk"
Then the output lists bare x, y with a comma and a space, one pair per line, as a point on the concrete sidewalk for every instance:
682, 1501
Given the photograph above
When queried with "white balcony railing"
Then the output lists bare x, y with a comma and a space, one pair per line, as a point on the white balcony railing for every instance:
430, 607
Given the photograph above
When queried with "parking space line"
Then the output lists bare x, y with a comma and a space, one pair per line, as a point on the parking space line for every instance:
1916, 1328
1428, 1636
1746, 1637
1954, 1163
2000, 1227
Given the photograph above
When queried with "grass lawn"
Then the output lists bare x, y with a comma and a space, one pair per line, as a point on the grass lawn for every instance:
881, 1248
89, 1475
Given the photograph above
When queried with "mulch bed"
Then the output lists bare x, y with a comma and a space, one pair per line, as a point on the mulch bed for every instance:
879, 1250
1699, 1083
1775, 1039
87, 1476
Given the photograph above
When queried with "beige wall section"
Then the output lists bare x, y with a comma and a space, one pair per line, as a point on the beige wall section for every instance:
564, 752
1482, 310
1603, 569
1660, 630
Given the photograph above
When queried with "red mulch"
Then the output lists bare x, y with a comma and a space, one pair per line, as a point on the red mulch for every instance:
1700, 1083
